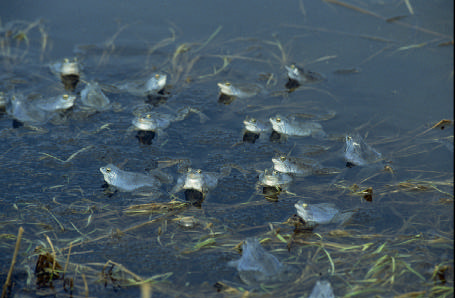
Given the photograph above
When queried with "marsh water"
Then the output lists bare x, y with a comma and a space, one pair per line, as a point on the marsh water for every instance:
388, 75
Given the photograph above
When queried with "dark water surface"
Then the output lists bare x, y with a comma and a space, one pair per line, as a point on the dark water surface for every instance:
390, 81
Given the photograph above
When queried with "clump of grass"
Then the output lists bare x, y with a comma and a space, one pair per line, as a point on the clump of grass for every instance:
16, 38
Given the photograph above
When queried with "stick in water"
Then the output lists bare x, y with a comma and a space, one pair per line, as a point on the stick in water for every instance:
13, 261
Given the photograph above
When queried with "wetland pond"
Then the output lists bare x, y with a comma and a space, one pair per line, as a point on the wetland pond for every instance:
365, 87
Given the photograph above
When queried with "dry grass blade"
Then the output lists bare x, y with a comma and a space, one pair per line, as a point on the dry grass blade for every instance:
302, 8
347, 71
409, 6
70, 157
54, 255
412, 46
374, 55
156, 207
284, 58
165, 42
239, 57
184, 66
146, 290
350, 6
367, 12
163, 217
334, 97
67, 259
85, 285
62, 228
422, 186
362, 292
222, 287
123, 268
393, 19
379, 266
44, 38
320, 29
212, 36
18, 32
226, 62
339, 246
330, 260
110, 45
412, 294
119, 275
322, 59
13, 262
413, 271
190, 66
201, 244
441, 291
442, 124
446, 43
414, 186
205, 243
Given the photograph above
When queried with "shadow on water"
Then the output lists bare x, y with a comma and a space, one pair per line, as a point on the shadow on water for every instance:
389, 81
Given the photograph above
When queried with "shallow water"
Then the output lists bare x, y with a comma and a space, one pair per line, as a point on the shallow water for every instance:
50, 174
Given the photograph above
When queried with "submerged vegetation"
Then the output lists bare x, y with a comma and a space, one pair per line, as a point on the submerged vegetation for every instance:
80, 238
18, 39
